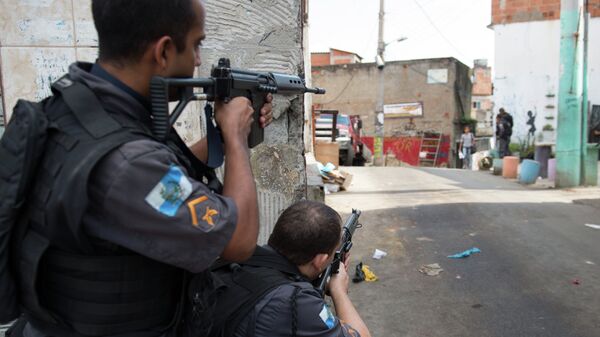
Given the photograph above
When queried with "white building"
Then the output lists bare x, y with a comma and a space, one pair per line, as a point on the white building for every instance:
527, 61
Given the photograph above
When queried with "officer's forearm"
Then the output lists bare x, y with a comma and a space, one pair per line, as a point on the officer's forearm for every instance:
345, 311
200, 150
238, 184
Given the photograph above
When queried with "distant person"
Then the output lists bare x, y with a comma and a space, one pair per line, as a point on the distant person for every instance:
467, 140
508, 123
501, 143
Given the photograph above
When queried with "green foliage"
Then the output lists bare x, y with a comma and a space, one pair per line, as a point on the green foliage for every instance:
525, 150
470, 122
548, 127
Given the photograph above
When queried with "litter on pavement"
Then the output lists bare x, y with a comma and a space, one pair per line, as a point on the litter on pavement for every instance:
592, 226
576, 282
359, 274
466, 253
433, 269
378, 254
369, 275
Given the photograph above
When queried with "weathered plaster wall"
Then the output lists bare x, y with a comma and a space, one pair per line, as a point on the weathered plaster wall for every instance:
40, 38
527, 71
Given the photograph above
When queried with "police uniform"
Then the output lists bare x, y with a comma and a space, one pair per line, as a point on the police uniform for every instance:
291, 306
272, 316
149, 222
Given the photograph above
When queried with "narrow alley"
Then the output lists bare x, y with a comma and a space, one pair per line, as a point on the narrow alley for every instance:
538, 272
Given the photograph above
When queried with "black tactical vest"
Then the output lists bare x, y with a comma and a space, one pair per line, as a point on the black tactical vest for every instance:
71, 284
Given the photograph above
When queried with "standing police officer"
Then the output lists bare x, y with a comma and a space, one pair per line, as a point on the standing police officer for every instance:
118, 221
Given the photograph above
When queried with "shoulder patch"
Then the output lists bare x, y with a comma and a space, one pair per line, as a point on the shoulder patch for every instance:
327, 317
202, 217
170, 192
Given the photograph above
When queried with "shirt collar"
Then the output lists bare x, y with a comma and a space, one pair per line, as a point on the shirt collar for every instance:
97, 70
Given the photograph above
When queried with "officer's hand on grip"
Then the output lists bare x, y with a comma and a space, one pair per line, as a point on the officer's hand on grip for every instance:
266, 112
234, 118
338, 284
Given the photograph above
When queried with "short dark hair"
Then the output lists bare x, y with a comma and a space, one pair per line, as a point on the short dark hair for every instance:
126, 27
305, 229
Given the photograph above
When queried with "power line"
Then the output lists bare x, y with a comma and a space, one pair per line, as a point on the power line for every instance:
437, 29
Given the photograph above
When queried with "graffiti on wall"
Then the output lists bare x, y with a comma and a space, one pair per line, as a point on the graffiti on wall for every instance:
406, 148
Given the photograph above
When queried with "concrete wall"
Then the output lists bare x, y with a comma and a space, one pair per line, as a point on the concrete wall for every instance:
351, 89
527, 71
40, 38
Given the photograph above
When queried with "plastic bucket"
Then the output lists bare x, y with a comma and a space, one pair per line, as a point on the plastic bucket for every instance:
530, 171
551, 169
510, 166
497, 166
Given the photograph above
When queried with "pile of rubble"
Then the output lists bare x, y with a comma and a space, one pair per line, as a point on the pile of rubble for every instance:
335, 180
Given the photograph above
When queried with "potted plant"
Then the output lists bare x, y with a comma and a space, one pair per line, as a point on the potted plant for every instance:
548, 133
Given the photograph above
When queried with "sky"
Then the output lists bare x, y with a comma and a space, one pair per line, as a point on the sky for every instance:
434, 28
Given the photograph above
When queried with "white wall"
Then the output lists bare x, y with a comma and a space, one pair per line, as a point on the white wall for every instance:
527, 71
594, 62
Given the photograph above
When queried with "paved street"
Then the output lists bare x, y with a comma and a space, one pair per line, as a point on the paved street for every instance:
533, 242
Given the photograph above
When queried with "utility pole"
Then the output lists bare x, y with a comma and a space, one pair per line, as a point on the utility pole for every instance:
571, 143
379, 118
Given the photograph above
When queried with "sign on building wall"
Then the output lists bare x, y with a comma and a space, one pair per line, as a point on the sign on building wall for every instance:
437, 76
403, 110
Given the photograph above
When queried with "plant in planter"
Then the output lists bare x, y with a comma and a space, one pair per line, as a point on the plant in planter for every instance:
548, 133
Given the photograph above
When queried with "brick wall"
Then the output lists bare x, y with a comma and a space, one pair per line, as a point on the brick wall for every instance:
512, 11
319, 59
482, 86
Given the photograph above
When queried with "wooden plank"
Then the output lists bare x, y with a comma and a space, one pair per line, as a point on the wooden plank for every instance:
327, 152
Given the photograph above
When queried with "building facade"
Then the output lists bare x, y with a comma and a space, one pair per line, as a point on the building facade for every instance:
482, 100
432, 95
527, 37
334, 56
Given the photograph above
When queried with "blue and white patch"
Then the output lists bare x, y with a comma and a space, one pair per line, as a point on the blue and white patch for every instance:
170, 192
327, 316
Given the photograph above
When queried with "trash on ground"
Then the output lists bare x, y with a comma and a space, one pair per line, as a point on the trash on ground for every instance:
369, 275
466, 253
331, 176
424, 238
458, 277
590, 263
576, 282
593, 226
433, 269
331, 188
378, 254
359, 274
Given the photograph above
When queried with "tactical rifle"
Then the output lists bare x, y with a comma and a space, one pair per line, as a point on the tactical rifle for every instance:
340, 255
224, 84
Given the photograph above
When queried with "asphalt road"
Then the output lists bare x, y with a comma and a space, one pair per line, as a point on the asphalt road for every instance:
534, 249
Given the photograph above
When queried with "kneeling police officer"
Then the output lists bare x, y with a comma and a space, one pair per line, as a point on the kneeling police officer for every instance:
271, 294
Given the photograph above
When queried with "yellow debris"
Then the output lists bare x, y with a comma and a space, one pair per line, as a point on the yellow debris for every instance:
369, 275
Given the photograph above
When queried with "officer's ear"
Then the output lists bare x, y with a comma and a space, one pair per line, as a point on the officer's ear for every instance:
163, 50
320, 262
